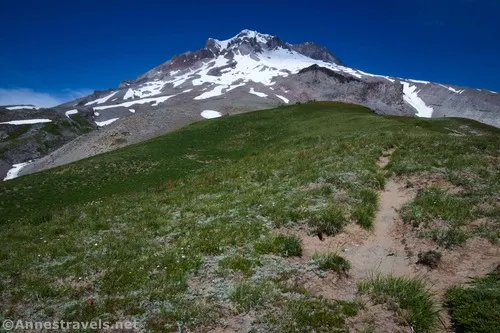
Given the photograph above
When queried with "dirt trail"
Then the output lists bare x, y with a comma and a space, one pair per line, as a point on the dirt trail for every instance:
391, 248
370, 253
381, 252
385, 158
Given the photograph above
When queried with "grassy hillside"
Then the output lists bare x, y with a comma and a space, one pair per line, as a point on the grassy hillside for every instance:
178, 231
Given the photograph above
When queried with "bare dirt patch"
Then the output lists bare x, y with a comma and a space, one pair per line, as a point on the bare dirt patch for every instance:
352, 235
377, 318
424, 180
458, 265
240, 323
328, 284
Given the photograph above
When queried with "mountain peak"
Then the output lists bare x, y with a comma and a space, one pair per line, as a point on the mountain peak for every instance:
245, 36
270, 53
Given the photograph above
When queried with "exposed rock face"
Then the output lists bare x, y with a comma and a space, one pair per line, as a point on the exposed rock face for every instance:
316, 52
248, 72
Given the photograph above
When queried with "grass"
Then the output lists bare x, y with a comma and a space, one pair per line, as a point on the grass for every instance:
409, 297
429, 258
330, 220
132, 228
332, 261
364, 211
238, 262
449, 238
253, 295
446, 217
476, 307
284, 245
308, 314
434, 203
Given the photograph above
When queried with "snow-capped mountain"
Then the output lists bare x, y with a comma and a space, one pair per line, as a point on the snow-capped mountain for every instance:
247, 72
262, 65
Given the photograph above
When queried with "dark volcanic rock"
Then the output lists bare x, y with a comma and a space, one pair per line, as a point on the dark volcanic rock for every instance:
338, 77
317, 52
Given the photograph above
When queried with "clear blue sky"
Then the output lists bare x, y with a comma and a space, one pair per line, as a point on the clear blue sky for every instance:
64, 48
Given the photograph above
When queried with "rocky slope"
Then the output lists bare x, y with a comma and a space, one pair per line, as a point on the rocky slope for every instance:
28, 133
248, 72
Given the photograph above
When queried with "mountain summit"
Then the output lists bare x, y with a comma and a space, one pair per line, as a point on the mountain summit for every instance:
247, 72
248, 41
275, 57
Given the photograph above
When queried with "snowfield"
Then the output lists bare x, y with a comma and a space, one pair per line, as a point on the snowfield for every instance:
260, 68
210, 114
418, 81
284, 99
26, 122
452, 89
375, 75
20, 107
411, 97
253, 92
70, 112
106, 122
217, 91
101, 100
14, 171
146, 90
155, 100
261, 38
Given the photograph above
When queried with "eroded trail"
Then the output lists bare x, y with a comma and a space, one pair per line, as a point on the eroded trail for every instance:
381, 252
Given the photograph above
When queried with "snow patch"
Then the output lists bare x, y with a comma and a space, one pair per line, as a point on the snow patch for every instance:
14, 171
234, 86
147, 89
217, 91
20, 107
253, 92
129, 94
102, 100
155, 100
411, 97
283, 98
27, 122
210, 114
106, 122
375, 75
70, 112
452, 89
132, 110
418, 81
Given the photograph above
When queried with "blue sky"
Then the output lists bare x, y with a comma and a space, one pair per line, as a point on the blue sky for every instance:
53, 51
